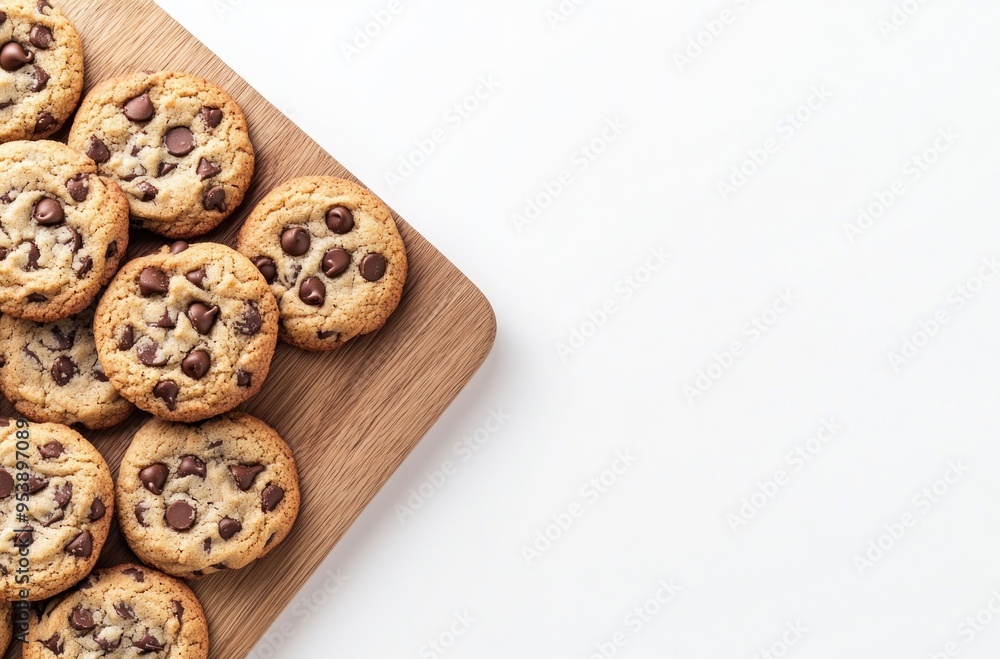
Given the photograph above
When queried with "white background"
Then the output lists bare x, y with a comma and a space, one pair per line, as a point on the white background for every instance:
752, 553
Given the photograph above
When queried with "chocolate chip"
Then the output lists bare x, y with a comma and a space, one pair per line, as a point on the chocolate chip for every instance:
178, 247
24, 538
335, 262
33, 255
244, 475
250, 322
81, 546
196, 364
54, 644
49, 212
154, 477
178, 609
97, 509
52, 518
192, 466
86, 265
165, 321
76, 238
165, 168
3, 17
41, 80
327, 334
148, 643
215, 199
100, 375
295, 241
124, 611
228, 527
112, 249
13, 56
140, 512
148, 352
167, 391
243, 378
36, 483
51, 450
40, 36
153, 280
207, 169
137, 575
6, 484
267, 267
63, 370
62, 494
106, 644
271, 497
202, 316
180, 515
211, 116
179, 141
216, 444
339, 219
97, 150
127, 339
207, 545
44, 123
81, 619
148, 191
139, 108
372, 267
312, 291
196, 277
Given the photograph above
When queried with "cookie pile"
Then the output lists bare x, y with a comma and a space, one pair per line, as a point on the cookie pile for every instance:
186, 333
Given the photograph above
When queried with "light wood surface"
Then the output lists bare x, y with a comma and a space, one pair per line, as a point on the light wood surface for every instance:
350, 416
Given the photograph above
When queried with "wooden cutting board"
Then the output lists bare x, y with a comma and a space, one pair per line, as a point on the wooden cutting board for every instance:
350, 416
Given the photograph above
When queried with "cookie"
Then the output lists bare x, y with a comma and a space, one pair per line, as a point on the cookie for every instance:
123, 611
50, 373
6, 627
65, 492
332, 255
177, 144
63, 230
41, 69
196, 499
188, 332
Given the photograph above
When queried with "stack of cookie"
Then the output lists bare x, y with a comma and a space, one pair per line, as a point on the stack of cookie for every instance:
186, 333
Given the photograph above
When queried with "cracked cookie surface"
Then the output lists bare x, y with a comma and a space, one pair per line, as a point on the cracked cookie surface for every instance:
63, 230
50, 373
177, 145
69, 495
188, 332
41, 69
124, 612
196, 499
333, 257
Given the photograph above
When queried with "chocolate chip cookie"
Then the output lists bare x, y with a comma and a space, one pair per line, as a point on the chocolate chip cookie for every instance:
55, 508
332, 255
188, 332
41, 69
196, 499
123, 611
63, 230
50, 372
177, 144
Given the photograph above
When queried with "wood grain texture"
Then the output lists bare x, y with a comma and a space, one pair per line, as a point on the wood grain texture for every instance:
350, 416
